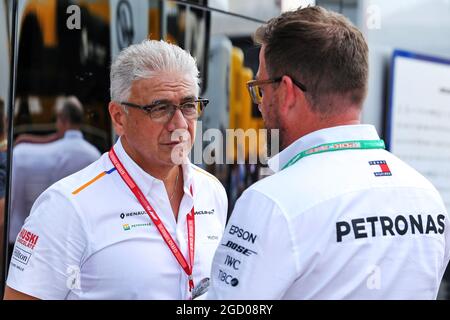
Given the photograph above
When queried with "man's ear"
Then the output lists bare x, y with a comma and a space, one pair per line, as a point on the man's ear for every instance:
118, 117
286, 97
291, 97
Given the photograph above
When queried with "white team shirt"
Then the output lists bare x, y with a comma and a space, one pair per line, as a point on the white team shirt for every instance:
351, 224
37, 166
88, 237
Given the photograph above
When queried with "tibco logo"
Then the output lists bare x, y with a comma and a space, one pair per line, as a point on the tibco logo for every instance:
228, 279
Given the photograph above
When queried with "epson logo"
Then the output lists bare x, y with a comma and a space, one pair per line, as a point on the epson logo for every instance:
238, 248
241, 233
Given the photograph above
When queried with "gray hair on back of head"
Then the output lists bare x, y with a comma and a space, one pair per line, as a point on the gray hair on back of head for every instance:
71, 110
146, 60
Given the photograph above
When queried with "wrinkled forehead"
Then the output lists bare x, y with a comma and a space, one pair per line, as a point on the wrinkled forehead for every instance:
167, 86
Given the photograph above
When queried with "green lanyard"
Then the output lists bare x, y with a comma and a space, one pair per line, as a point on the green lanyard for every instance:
337, 146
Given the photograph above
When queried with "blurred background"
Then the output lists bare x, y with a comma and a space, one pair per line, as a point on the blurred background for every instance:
51, 49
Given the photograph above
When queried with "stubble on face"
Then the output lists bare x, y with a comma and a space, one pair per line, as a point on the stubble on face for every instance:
275, 130
269, 111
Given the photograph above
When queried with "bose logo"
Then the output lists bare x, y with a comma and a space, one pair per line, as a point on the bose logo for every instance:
238, 248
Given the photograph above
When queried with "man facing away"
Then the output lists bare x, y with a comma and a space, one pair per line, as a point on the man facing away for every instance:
36, 166
142, 222
341, 218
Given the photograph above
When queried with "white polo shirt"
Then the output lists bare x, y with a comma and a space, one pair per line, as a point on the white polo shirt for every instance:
37, 166
351, 224
88, 237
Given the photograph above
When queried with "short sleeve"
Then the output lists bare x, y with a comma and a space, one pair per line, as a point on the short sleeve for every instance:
49, 249
255, 258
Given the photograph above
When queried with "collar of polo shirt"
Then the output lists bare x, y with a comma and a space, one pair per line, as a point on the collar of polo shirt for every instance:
323, 136
144, 180
73, 134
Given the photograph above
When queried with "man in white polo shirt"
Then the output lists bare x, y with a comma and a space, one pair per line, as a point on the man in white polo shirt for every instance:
38, 165
341, 218
142, 222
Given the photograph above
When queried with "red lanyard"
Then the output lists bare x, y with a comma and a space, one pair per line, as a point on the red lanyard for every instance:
158, 223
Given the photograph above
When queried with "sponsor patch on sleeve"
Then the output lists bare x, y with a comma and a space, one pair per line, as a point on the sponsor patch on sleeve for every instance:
27, 239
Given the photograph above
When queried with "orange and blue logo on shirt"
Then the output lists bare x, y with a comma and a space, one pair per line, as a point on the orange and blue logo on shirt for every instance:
380, 165
92, 181
126, 227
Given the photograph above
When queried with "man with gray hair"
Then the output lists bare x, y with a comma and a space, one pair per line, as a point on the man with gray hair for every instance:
142, 222
69, 116
341, 218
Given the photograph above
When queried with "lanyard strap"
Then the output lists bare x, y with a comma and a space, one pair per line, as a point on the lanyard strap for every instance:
190, 221
337, 146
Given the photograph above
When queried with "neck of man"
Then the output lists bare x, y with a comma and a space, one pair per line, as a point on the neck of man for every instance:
72, 127
66, 126
166, 173
316, 123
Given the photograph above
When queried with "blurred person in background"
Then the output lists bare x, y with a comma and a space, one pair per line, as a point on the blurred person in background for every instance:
36, 166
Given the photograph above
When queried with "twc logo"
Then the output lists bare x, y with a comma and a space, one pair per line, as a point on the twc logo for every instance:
381, 169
